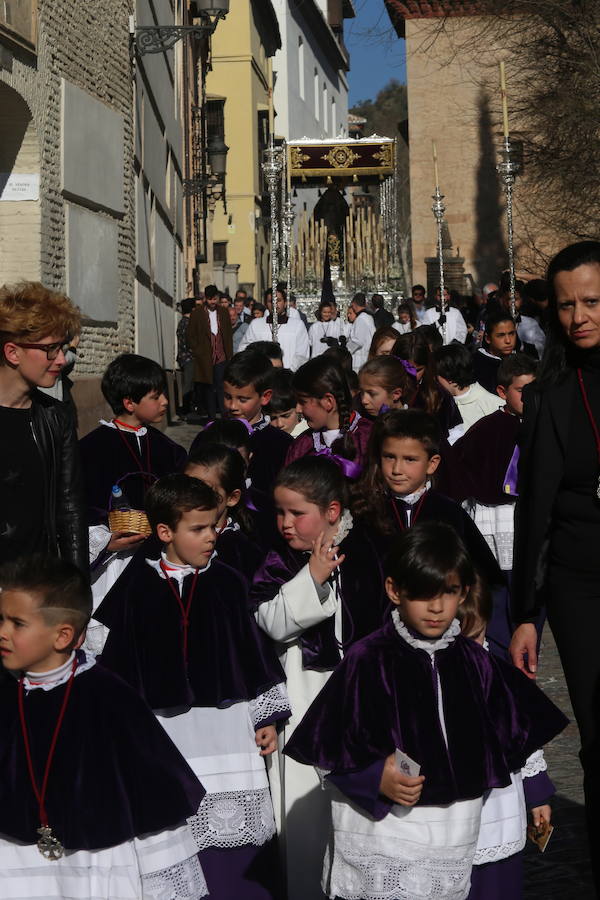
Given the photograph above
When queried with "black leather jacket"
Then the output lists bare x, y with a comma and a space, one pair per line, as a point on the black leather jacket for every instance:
56, 439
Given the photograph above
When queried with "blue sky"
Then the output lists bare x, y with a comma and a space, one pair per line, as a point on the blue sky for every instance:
376, 53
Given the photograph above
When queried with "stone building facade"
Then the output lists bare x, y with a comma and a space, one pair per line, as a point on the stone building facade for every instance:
454, 99
99, 130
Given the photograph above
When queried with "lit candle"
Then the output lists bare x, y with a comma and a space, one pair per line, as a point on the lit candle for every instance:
504, 99
435, 165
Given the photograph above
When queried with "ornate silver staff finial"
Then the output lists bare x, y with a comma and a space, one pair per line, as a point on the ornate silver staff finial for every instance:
272, 169
438, 210
508, 169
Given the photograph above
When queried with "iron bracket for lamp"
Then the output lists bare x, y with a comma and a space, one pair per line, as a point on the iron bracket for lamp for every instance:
195, 187
160, 38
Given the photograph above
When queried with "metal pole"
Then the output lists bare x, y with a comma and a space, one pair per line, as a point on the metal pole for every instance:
272, 168
438, 210
508, 169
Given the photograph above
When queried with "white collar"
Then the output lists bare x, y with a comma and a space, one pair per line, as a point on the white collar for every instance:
491, 355
422, 643
344, 527
413, 498
464, 398
136, 432
176, 571
45, 681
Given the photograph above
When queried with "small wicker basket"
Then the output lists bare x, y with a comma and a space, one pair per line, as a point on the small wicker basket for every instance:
131, 520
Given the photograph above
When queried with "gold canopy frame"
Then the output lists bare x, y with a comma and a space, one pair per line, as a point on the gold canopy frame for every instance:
367, 159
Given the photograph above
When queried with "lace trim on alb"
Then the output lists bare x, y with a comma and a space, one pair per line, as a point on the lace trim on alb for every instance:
423, 644
534, 764
185, 881
234, 819
266, 705
344, 528
501, 851
359, 875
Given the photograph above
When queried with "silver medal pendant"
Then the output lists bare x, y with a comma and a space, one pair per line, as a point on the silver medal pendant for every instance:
49, 846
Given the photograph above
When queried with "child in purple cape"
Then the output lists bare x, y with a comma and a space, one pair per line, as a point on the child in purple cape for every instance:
413, 727
325, 401
247, 390
498, 865
182, 635
126, 450
319, 590
94, 796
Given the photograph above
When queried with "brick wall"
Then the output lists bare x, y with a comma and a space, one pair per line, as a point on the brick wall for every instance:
87, 44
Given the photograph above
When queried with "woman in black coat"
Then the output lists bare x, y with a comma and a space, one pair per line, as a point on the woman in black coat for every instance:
557, 536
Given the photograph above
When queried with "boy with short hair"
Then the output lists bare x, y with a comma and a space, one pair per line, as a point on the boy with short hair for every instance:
281, 408
180, 632
486, 459
77, 817
455, 373
128, 451
247, 385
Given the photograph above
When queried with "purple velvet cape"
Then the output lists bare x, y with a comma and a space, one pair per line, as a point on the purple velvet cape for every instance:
482, 457
229, 659
115, 775
105, 460
238, 551
304, 446
269, 446
364, 601
382, 696
438, 508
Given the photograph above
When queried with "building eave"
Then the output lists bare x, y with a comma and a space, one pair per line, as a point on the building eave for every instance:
266, 19
401, 10
323, 33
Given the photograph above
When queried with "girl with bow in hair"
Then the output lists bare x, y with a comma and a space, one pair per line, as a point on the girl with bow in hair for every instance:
319, 590
334, 428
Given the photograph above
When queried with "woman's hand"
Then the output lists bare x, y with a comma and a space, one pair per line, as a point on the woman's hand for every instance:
400, 788
266, 739
524, 644
123, 540
323, 560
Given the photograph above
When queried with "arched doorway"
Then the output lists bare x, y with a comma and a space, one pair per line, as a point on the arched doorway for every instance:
20, 213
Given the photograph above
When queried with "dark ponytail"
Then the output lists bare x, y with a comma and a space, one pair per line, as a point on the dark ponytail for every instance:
321, 376
232, 475
413, 347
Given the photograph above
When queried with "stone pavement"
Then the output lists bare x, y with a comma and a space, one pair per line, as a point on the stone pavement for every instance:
563, 871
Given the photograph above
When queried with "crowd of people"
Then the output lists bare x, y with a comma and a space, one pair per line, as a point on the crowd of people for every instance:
297, 660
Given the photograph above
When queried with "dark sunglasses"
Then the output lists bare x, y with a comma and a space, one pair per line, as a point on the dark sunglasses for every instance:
51, 350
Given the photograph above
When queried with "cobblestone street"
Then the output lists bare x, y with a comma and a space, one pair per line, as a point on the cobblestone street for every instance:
564, 869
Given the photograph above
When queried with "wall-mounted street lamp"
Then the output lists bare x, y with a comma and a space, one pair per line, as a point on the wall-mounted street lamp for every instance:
216, 155
159, 38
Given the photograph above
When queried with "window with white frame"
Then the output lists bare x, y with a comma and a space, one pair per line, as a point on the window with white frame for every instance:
301, 67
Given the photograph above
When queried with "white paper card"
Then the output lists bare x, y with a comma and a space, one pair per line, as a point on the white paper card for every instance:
406, 765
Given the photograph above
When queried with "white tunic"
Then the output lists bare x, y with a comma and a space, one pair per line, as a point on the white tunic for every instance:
302, 808
159, 866
456, 327
413, 853
292, 338
319, 330
359, 339
476, 403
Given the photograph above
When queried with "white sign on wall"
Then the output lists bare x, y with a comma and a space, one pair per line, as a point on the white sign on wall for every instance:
19, 186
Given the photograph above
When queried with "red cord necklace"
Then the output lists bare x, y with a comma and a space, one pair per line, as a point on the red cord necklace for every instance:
137, 459
590, 416
48, 845
185, 609
414, 517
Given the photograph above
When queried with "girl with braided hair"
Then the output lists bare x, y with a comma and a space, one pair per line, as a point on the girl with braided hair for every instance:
334, 428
